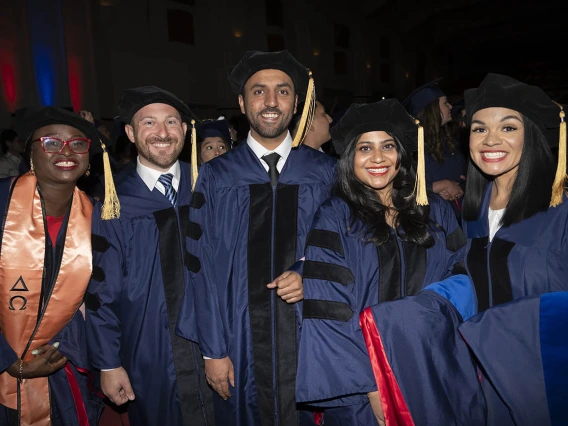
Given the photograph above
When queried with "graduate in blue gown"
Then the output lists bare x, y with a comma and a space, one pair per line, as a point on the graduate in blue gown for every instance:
45, 377
516, 222
250, 214
139, 278
376, 240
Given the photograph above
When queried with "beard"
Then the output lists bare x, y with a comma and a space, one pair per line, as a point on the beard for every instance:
269, 131
162, 158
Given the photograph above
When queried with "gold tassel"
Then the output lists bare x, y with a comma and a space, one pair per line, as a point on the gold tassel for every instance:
420, 185
560, 179
111, 204
307, 113
193, 155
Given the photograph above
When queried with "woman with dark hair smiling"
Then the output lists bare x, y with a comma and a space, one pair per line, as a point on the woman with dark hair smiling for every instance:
45, 266
516, 221
380, 238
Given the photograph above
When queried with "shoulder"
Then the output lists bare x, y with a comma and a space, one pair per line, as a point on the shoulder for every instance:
335, 209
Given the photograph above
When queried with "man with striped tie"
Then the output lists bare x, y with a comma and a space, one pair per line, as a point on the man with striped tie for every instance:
133, 299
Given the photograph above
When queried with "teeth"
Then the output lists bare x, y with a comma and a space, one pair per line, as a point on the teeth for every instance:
493, 155
379, 170
270, 115
162, 145
65, 163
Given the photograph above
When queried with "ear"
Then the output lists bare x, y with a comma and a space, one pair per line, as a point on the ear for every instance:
184, 127
296, 104
242, 104
129, 132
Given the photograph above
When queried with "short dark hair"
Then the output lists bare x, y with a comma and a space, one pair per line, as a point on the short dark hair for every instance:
532, 188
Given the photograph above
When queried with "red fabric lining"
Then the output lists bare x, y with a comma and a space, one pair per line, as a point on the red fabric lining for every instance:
77, 398
394, 406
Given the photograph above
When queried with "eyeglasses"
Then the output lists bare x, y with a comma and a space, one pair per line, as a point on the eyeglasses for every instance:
55, 145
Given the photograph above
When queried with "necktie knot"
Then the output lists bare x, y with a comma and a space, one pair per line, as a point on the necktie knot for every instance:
171, 194
272, 161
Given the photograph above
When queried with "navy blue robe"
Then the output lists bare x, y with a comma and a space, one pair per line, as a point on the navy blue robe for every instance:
133, 303
525, 259
424, 370
245, 233
73, 345
522, 348
342, 276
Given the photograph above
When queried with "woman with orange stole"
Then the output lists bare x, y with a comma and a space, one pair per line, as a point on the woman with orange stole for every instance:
45, 266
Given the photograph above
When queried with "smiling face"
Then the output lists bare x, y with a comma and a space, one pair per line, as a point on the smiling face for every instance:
159, 135
375, 162
212, 147
58, 168
496, 141
269, 102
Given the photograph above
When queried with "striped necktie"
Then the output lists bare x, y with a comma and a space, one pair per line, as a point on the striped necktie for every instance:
171, 194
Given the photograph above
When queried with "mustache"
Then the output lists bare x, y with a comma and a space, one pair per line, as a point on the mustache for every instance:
270, 110
169, 139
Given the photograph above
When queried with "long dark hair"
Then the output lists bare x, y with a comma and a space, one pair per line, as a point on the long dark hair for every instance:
532, 187
365, 205
434, 133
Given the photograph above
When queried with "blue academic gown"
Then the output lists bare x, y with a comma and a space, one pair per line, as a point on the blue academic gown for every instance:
133, 303
73, 345
424, 370
522, 348
342, 276
245, 233
525, 259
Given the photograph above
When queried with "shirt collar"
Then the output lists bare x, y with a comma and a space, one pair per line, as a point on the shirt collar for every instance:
283, 149
151, 176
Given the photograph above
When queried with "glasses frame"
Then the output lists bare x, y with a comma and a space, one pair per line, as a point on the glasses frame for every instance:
42, 139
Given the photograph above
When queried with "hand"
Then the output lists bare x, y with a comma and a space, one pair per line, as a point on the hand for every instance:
115, 384
377, 407
87, 116
47, 360
290, 287
452, 189
220, 372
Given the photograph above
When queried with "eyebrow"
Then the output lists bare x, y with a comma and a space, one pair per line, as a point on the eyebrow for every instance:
508, 117
58, 136
262, 86
381, 142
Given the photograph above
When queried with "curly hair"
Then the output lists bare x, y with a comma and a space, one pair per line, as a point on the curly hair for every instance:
435, 135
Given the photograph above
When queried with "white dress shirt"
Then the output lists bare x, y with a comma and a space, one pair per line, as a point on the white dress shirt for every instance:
151, 176
283, 150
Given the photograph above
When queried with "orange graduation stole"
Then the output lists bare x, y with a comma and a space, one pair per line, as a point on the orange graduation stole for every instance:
21, 275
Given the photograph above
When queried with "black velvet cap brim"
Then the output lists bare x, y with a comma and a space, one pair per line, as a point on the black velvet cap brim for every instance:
387, 115
132, 100
28, 120
254, 61
505, 92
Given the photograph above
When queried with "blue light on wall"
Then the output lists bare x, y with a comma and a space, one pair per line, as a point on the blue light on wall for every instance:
48, 50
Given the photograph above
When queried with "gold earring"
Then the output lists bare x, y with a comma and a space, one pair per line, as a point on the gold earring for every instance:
32, 171
88, 172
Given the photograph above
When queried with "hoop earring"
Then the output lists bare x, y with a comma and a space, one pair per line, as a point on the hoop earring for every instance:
88, 172
32, 171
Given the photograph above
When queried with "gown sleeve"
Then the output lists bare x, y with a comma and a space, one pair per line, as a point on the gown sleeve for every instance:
102, 300
200, 317
333, 365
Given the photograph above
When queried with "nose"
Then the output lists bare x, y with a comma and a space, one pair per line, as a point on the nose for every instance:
377, 156
271, 100
329, 119
492, 139
161, 130
66, 151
